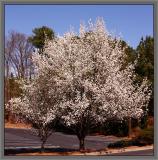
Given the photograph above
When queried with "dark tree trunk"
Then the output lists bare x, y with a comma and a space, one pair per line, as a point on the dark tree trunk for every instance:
129, 127
81, 141
42, 146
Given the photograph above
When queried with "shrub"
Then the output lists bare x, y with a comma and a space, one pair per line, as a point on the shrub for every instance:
146, 137
118, 144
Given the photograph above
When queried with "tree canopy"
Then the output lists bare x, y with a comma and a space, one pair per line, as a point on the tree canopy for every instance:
39, 36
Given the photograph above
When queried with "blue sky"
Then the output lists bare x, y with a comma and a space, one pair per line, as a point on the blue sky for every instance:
132, 21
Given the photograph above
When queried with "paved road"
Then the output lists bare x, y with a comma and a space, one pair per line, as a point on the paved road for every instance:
148, 152
25, 138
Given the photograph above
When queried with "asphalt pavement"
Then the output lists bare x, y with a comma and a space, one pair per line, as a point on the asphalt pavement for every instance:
25, 138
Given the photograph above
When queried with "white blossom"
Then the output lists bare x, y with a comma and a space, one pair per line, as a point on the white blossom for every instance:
89, 64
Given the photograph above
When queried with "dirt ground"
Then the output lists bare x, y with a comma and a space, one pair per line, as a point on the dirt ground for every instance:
16, 125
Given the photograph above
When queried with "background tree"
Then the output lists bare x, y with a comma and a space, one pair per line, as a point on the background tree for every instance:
9, 47
130, 53
39, 36
18, 63
13, 90
128, 59
19, 53
144, 56
94, 88
145, 66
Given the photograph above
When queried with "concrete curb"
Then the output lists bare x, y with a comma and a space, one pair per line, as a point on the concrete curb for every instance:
14, 150
121, 150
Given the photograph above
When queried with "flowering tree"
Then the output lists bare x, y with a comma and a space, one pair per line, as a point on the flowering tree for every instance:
90, 85
88, 72
37, 105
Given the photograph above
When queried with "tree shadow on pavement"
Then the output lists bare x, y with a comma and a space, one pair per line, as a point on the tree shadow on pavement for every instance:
11, 152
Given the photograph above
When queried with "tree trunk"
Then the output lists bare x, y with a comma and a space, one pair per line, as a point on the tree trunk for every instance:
129, 127
82, 146
42, 146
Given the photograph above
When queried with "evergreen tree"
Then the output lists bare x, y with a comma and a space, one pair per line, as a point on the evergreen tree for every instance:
145, 66
39, 36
